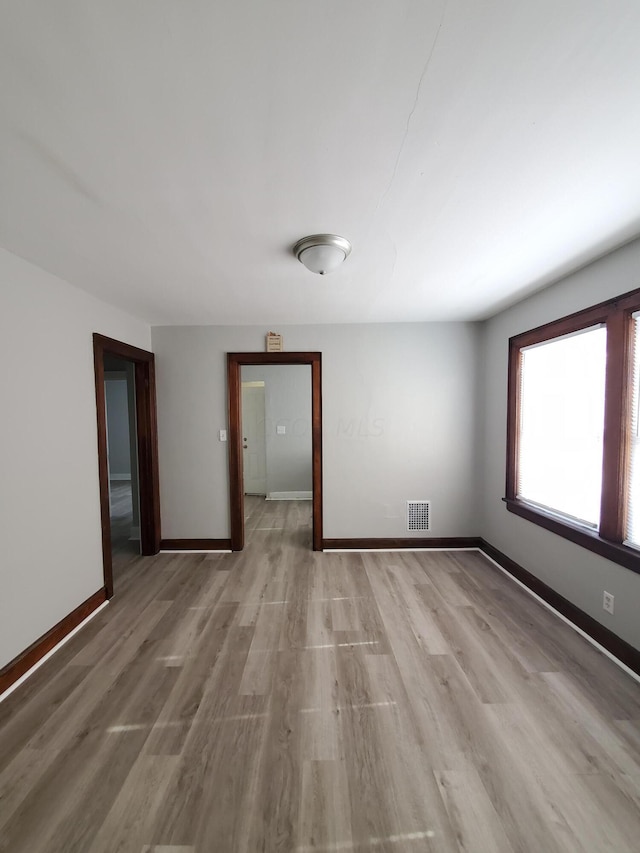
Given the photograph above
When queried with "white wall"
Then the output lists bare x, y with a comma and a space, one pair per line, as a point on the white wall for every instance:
50, 510
398, 420
574, 572
287, 395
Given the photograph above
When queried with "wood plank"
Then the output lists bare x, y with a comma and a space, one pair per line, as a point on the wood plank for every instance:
284, 699
324, 818
473, 816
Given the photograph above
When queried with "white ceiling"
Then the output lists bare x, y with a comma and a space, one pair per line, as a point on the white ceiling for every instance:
165, 155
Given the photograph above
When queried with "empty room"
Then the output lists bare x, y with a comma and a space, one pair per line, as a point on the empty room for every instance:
320, 454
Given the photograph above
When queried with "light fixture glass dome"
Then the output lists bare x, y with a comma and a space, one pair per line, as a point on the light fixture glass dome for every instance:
322, 253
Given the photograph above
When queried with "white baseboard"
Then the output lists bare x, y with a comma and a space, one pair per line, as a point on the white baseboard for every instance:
289, 496
119, 476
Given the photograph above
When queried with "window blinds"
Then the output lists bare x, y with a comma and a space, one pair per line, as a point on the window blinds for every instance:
633, 471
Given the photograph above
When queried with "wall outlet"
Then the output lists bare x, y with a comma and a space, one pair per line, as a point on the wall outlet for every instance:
607, 602
281, 429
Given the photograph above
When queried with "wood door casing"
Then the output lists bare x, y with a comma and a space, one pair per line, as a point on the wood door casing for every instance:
235, 360
147, 429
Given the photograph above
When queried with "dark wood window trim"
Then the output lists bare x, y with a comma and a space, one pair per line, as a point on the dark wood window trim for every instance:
235, 360
146, 420
616, 314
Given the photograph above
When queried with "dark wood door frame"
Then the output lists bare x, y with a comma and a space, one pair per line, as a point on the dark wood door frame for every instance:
235, 360
147, 430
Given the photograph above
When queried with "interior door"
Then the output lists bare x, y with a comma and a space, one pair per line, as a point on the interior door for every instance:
254, 449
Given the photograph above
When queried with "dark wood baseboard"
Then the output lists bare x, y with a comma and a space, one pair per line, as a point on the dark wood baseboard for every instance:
195, 544
403, 543
606, 638
16, 668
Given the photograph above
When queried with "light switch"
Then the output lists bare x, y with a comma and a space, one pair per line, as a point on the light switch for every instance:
222, 435
281, 430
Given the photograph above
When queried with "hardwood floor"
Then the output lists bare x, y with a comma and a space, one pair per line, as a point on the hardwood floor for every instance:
283, 700
124, 550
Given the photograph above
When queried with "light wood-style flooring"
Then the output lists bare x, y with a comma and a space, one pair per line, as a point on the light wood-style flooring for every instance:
281, 700
124, 550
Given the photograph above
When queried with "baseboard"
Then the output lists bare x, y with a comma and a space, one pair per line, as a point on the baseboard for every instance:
400, 544
16, 668
289, 496
195, 544
618, 647
120, 476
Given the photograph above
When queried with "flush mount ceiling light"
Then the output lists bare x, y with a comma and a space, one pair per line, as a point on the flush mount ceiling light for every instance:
322, 253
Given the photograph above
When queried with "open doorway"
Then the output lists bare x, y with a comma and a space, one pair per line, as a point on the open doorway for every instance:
122, 460
238, 452
114, 362
277, 451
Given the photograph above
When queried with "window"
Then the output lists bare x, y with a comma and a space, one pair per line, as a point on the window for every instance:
633, 473
561, 425
573, 455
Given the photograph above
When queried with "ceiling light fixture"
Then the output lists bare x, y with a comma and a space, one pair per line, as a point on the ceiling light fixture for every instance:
322, 253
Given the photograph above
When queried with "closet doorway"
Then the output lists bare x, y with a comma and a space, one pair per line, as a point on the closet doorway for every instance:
146, 447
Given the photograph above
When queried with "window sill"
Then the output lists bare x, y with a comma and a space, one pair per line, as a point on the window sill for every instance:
623, 555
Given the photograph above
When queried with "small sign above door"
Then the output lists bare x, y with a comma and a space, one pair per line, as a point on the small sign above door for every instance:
274, 342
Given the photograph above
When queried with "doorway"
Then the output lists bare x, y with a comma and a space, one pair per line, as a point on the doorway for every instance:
235, 361
122, 459
143, 444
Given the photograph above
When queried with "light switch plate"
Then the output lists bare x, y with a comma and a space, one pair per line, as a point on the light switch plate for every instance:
222, 435
281, 430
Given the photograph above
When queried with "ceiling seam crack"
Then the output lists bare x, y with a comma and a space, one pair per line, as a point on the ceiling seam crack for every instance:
415, 104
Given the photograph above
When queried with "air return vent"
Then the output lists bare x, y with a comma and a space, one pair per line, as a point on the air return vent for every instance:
418, 513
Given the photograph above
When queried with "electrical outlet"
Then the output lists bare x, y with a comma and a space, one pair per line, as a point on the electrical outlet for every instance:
607, 602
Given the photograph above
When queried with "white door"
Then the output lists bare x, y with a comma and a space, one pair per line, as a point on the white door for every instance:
254, 453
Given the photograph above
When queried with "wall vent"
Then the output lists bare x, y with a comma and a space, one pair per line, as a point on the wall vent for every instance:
418, 515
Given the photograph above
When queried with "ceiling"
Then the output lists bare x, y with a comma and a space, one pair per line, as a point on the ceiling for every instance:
165, 155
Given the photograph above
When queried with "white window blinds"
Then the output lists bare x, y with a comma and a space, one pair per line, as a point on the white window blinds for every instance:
561, 425
633, 472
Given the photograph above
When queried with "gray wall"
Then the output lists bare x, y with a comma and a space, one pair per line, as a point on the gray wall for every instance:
115, 367
398, 418
50, 503
287, 402
401, 421
130, 370
118, 436
573, 571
